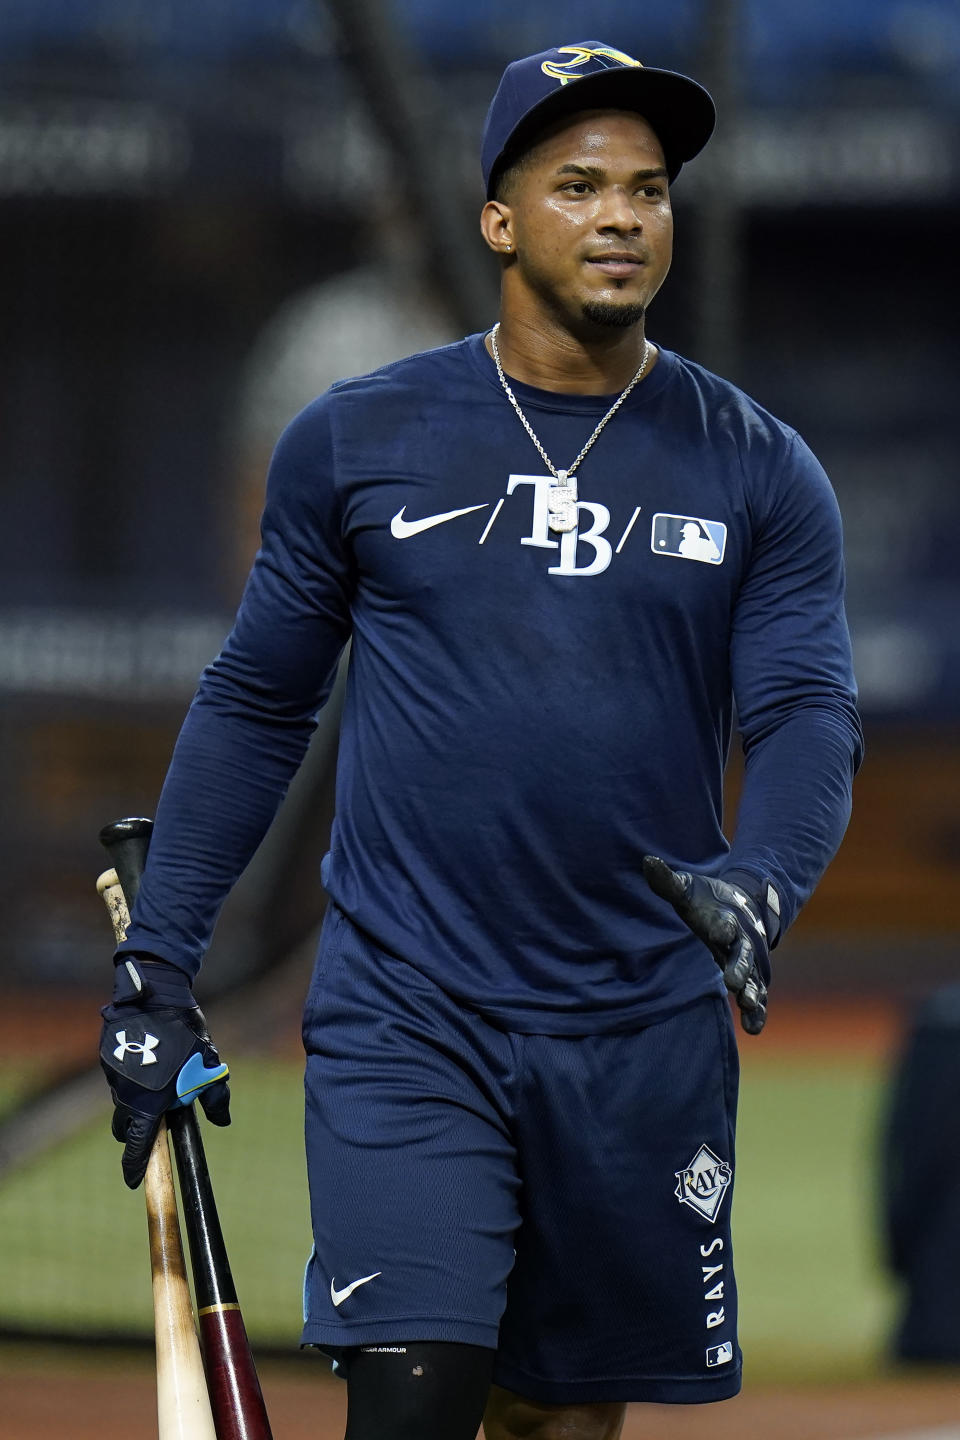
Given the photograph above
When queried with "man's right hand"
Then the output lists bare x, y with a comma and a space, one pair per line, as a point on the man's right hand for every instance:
156, 1054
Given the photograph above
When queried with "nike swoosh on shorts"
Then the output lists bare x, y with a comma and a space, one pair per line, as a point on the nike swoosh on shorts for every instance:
402, 529
338, 1296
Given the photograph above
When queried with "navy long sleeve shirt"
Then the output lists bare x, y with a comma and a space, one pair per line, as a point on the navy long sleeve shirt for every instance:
527, 714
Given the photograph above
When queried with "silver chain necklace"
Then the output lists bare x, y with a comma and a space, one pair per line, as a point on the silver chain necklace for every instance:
563, 493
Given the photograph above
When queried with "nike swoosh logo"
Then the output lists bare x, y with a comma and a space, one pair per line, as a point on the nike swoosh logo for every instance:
402, 529
338, 1296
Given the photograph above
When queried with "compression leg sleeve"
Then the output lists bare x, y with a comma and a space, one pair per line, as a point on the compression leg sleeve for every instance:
416, 1390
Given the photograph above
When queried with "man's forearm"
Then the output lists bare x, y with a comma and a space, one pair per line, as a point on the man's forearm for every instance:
229, 774
796, 802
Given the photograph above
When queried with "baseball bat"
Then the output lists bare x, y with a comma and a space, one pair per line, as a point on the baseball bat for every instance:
236, 1400
183, 1402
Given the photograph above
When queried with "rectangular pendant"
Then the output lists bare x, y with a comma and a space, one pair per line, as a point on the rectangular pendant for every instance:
562, 503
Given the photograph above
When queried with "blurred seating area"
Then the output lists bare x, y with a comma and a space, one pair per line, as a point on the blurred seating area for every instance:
792, 54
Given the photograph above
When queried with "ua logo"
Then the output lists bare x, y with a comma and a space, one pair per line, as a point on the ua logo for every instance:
604, 58
134, 1047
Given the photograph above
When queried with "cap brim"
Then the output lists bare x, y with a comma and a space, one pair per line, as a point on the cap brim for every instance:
680, 112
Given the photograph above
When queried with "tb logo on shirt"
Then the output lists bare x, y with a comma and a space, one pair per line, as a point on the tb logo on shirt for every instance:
686, 537
540, 529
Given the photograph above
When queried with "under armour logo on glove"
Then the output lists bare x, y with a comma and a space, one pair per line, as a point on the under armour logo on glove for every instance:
134, 1047
150, 1071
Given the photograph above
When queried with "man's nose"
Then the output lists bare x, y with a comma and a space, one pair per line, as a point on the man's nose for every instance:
617, 211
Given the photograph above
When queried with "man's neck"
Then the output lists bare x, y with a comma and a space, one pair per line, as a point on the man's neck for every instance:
551, 358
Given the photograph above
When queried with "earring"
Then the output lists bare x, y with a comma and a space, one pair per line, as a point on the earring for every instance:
508, 247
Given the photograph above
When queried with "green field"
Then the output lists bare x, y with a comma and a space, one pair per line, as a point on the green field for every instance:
814, 1301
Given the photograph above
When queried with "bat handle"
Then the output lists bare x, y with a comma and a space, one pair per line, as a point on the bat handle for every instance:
111, 893
127, 842
203, 1222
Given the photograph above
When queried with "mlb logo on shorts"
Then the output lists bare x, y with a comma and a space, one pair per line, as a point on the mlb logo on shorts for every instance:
720, 1354
689, 538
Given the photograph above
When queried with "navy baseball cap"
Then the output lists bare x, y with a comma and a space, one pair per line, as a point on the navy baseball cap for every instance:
539, 89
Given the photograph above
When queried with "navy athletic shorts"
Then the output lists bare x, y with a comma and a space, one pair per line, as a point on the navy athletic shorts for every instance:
562, 1200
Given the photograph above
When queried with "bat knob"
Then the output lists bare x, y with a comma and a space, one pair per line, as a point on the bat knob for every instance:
135, 827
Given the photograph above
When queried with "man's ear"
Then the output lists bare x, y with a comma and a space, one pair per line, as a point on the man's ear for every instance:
496, 225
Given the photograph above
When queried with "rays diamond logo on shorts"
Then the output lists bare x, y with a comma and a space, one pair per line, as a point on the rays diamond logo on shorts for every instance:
703, 1184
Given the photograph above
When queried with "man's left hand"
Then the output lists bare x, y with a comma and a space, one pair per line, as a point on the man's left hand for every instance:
728, 922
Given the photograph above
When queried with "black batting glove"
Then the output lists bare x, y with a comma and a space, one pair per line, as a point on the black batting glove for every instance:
156, 1054
729, 923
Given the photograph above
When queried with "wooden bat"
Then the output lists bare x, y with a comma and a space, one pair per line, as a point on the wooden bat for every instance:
183, 1403
236, 1400
235, 1396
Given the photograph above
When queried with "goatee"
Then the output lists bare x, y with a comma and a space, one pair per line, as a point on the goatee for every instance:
616, 317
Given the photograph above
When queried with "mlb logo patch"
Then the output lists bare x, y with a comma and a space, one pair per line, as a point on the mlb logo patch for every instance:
720, 1354
689, 538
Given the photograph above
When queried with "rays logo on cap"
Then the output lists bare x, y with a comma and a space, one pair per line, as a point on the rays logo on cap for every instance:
604, 55
703, 1184
689, 537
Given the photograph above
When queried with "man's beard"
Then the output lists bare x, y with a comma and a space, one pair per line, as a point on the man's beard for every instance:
615, 317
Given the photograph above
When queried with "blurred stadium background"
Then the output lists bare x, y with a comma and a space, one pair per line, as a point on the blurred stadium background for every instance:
209, 212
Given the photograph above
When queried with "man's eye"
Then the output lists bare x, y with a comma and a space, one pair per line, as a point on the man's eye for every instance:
652, 192
577, 187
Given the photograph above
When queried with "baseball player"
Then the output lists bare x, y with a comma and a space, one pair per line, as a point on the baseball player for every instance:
563, 555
